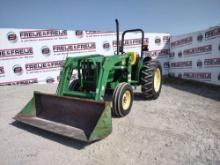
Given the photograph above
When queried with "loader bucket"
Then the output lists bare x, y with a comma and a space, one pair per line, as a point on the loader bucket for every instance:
76, 118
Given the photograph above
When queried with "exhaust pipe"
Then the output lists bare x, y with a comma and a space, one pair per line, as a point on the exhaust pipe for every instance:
117, 35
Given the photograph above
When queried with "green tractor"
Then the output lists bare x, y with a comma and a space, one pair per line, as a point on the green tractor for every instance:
78, 109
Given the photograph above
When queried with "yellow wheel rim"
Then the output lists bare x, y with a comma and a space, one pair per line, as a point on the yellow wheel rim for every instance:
157, 80
126, 100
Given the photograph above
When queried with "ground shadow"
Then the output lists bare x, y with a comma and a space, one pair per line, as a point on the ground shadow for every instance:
198, 88
52, 136
138, 96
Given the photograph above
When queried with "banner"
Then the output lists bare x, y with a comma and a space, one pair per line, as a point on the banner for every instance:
196, 56
36, 56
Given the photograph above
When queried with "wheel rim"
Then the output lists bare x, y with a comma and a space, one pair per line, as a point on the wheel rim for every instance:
126, 100
157, 80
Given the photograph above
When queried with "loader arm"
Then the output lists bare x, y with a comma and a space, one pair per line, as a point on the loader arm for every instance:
65, 75
107, 64
111, 63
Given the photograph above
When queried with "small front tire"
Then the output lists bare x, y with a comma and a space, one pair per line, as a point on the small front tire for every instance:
122, 100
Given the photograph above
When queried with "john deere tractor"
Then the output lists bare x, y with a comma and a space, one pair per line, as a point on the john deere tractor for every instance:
78, 109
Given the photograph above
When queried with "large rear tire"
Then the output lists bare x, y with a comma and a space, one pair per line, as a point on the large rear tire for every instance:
122, 100
151, 79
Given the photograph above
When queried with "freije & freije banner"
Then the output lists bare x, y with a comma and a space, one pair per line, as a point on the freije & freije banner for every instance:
196, 56
36, 56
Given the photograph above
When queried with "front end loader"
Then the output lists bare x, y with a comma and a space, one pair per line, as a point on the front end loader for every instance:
78, 109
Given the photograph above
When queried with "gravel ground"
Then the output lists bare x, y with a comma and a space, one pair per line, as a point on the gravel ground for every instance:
181, 127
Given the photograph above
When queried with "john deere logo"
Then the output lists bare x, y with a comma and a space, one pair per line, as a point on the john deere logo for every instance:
12, 37
79, 33
45, 51
180, 54
180, 75
50, 80
200, 37
17, 69
199, 64
157, 40
106, 45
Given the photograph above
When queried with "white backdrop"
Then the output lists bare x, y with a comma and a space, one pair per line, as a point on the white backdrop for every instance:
36, 56
196, 56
